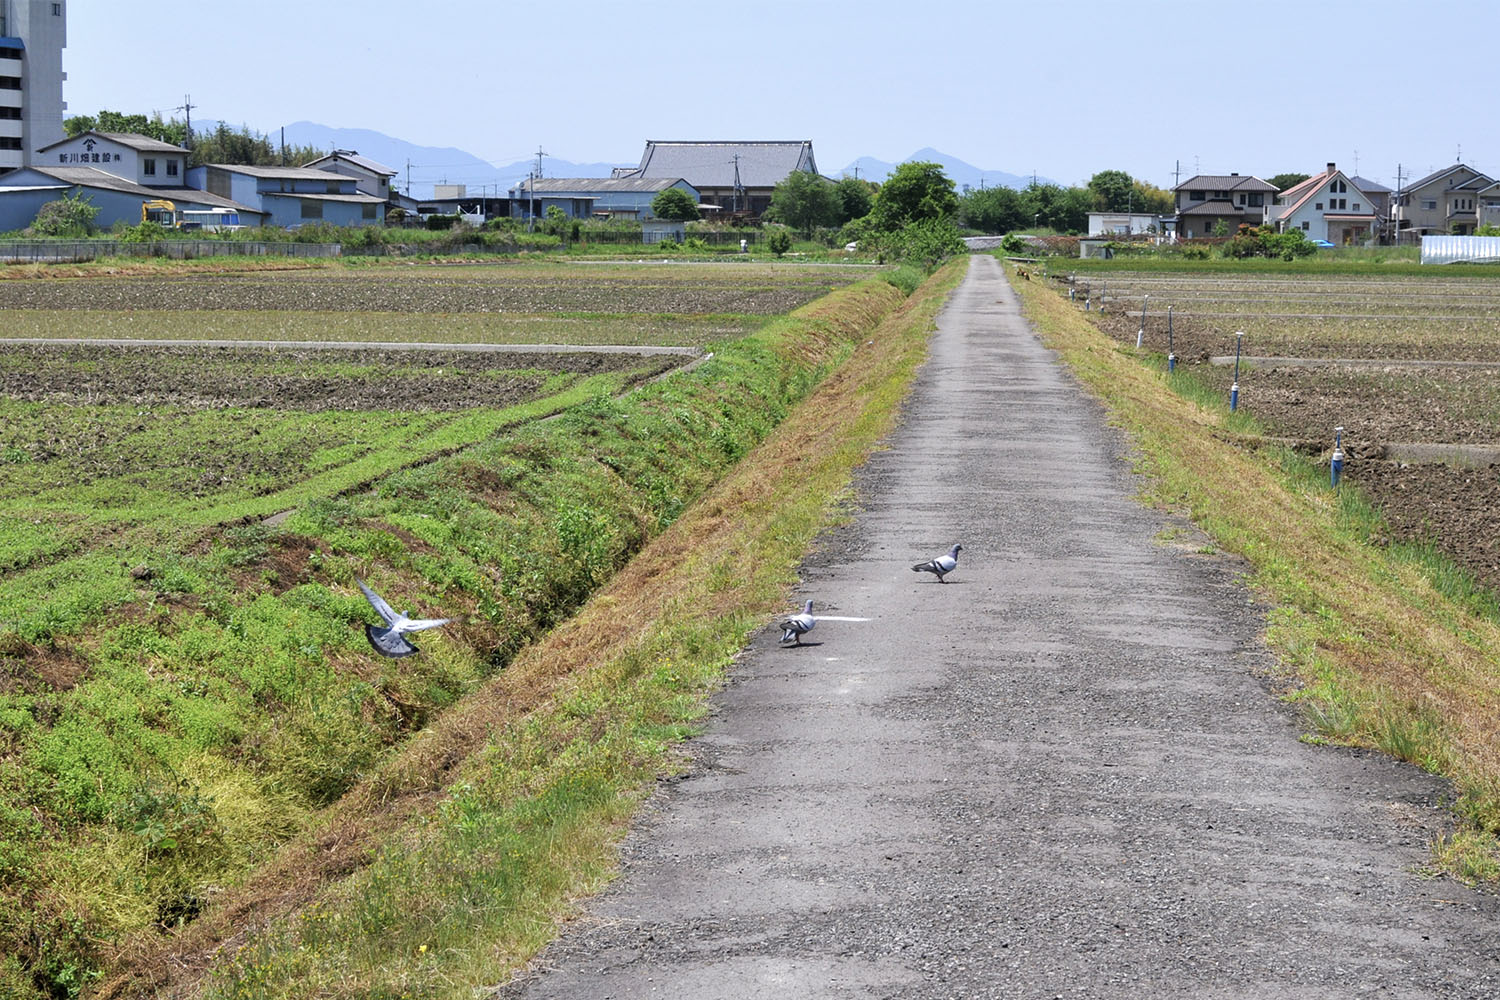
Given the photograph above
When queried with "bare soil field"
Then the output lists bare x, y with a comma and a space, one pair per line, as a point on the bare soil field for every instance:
1447, 318
303, 380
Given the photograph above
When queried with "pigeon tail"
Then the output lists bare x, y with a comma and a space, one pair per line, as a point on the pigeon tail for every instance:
389, 642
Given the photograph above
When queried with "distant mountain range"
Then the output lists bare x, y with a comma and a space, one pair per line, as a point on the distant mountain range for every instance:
962, 174
422, 167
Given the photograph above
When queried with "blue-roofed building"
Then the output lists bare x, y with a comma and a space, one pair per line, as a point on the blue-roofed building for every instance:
581, 197
291, 196
736, 178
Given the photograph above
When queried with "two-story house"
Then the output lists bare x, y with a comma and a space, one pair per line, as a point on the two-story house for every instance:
292, 196
370, 176
1210, 204
1445, 202
1328, 206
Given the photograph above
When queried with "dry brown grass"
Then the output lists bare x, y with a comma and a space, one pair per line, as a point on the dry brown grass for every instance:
1408, 669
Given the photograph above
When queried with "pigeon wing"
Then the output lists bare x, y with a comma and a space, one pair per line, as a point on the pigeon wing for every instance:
419, 624
378, 603
388, 642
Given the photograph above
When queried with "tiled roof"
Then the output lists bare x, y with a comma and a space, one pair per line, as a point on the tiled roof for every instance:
1220, 182
139, 142
351, 156
712, 164
1218, 208
1440, 174
95, 178
1368, 186
552, 185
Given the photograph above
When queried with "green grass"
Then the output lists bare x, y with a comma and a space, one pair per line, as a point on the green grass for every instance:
163, 736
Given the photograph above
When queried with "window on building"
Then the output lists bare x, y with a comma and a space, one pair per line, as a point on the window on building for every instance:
14, 113
311, 209
171, 168
1242, 199
332, 187
1196, 195
1429, 205
1317, 206
1356, 206
1343, 204
57, 10
148, 166
1305, 226
1257, 200
7, 52
10, 83
367, 211
9, 142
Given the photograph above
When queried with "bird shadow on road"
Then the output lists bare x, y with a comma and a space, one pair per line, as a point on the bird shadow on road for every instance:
799, 645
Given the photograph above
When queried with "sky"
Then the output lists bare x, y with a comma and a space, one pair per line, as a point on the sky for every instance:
1061, 88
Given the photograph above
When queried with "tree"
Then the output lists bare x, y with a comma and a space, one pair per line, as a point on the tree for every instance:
674, 205
172, 131
1150, 198
993, 210
855, 197
1112, 191
71, 216
916, 191
779, 241
1283, 181
928, 242
804, 201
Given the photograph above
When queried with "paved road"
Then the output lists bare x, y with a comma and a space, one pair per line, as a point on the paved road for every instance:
1055, 776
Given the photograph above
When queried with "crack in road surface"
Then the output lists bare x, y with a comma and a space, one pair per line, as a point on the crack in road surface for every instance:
1059, 774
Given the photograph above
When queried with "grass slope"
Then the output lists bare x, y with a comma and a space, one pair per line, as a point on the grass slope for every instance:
1380, 648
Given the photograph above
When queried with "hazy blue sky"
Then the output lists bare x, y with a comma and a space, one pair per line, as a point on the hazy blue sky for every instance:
1061, 88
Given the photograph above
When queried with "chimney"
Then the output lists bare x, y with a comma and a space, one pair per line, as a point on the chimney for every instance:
1332, 167
1234, 175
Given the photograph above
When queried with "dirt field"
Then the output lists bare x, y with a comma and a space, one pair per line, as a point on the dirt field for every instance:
1447, 318
303, 380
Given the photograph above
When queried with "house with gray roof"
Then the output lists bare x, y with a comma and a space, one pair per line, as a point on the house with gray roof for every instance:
1209, 199
137, 158
735, 178
579, 197
291, 196
1445, 202
370, 176
23, 192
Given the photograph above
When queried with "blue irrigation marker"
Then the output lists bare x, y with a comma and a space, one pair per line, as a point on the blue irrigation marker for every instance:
1336, 467
1171, 358
1234, 390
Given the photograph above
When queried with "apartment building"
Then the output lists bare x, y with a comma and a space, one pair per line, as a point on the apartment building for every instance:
33, 34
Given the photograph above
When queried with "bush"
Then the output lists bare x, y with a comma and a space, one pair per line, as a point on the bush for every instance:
779, 241
1013, 244
69, 216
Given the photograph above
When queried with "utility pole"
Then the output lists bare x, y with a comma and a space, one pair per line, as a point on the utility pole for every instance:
1396, 237
738, 187
187, 107
1176, 174
408, 176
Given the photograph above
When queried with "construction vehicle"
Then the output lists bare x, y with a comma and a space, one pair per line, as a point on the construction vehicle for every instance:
162, 212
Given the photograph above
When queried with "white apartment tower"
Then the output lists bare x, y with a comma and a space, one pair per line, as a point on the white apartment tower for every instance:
33, 34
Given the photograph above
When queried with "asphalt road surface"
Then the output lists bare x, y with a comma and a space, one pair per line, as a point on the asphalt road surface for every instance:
1057, 775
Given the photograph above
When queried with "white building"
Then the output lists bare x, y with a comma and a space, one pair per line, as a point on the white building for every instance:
33, 34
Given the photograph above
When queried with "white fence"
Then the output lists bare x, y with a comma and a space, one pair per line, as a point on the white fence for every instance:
1460, 249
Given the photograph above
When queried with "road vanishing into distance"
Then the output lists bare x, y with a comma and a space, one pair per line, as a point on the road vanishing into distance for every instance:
1059, 774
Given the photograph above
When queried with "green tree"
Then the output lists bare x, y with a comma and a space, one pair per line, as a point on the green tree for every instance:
916, 191
1283, 181
70, 216
927, 242
247, 148
1157, 201
856, 198
779, 241
1064, 210
675, 205
804, 201
173, 131
993, 210
1112, 191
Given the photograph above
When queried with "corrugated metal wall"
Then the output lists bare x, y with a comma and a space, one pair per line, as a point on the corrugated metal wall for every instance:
1452, 249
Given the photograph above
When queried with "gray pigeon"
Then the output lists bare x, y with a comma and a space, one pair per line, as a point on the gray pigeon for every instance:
795, 627
940, 566
391, 640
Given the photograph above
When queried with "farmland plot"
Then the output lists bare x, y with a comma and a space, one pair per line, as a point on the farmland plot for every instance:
183, 685
1396, 362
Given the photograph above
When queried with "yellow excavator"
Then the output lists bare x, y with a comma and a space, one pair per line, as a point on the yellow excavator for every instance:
161, 211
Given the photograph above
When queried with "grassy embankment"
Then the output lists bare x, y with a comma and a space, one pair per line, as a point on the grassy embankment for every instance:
1381, 648
508, 808
158, 763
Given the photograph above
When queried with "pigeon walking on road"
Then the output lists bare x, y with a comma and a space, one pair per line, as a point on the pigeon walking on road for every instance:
391, 640
795, 627
940, 566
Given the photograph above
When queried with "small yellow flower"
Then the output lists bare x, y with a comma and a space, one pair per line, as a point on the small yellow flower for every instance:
422, 950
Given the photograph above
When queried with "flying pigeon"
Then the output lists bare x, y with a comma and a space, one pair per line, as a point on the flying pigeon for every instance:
391, 640
941, 565
795, 627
